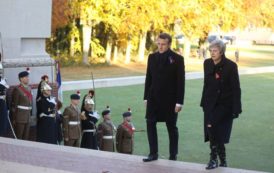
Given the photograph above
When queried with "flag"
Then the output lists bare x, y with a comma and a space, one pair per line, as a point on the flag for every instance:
59, 81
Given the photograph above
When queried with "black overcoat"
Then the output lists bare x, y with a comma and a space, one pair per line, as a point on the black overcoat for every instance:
46, 126
89, 139
164, 85
221, 97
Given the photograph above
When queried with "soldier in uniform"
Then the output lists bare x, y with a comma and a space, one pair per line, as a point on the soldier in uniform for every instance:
46, 125
124, 135
71, 122
3, 107
89, 118
106, 130
21, 106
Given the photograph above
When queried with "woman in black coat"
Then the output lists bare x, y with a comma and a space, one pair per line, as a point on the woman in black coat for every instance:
221, 101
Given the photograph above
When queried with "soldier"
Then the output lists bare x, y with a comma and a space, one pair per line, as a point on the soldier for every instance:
124, 135
71, 122
46, 125
3, 107
106, 130
89, 118
21, 105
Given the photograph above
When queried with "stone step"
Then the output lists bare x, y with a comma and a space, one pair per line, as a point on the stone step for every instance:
25, 157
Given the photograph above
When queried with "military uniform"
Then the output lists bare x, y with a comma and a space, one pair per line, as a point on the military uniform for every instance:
46, 124
21, 110
71, 126
106, 136
124, 138
89, 137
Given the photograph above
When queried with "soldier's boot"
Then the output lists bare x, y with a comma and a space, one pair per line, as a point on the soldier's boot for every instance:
213, 161
222, 155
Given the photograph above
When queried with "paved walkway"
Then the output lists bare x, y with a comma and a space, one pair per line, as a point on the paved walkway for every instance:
134, 80
27, 157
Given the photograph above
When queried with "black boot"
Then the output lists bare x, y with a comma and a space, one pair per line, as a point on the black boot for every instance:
222, 155
151, 157
213, 162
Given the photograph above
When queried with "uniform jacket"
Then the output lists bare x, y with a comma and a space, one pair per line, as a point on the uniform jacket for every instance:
106, 129
71, 114
124, 138
20, 98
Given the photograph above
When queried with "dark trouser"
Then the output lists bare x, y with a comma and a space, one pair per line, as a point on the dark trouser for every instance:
153, 138
72, 142
22, 130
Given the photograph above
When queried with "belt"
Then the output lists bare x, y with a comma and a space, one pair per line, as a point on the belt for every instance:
74, 122
24, 107
89, 130
108, 137
3, 97
45, 115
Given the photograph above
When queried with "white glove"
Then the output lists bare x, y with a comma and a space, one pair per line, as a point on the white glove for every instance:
52, 100
95, 115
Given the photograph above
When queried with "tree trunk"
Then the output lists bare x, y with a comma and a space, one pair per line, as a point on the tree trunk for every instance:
108, 52
115, 53
187, 46
127, 60
86, 42
142, 46
72, 43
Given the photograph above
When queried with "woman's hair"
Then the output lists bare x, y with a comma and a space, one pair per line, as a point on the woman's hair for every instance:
219, 44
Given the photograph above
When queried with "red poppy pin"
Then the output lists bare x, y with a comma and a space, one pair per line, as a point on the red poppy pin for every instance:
217, 76
171, 60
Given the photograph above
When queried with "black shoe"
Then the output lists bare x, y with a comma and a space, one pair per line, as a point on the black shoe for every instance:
212, 164
173, 157
150, 158
223, 163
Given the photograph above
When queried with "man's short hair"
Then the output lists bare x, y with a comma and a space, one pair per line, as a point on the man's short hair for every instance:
165, 36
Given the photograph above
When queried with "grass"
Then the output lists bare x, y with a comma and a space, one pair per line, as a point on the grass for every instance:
254, 56
252, 139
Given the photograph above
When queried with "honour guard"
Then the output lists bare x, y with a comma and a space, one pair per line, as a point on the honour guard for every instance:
21, 106
71, 122
124, 135
106, 130
46, 125
3, 107
89, 118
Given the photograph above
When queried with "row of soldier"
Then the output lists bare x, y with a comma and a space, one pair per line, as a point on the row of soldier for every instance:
76, 127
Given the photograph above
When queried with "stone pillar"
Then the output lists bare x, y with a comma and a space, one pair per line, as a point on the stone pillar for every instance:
24, 27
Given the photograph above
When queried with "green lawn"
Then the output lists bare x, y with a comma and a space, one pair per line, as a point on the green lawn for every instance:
251, 56
252, 139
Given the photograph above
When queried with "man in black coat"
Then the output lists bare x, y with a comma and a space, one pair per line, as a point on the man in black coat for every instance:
221, 101
164, 95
